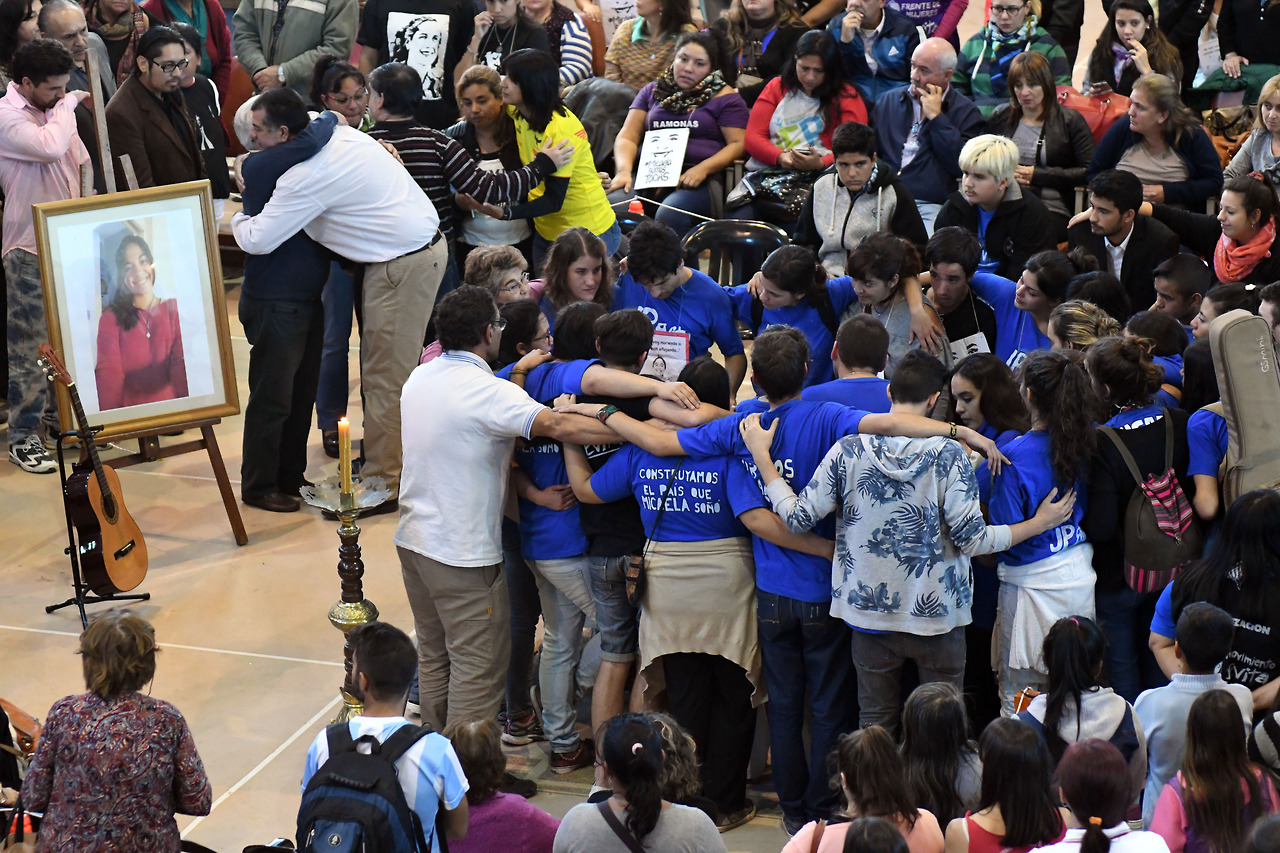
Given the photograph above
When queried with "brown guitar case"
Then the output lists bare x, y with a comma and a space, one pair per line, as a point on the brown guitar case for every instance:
1244, 359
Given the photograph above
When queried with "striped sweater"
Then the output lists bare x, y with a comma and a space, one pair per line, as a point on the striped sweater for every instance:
981, 55
441, 167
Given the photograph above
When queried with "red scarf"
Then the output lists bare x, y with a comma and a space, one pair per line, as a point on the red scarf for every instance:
1233, 261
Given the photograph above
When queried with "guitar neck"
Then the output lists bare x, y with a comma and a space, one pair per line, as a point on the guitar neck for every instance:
82, 421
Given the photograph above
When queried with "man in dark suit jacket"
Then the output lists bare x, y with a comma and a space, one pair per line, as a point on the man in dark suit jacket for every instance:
148, 120
1116, 231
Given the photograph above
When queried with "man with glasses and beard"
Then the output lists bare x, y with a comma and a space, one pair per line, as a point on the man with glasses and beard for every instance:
148, 120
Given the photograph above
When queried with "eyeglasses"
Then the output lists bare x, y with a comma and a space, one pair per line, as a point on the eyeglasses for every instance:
499, 324
341, 100
517, 284
1007, 10
545, 336
170, 67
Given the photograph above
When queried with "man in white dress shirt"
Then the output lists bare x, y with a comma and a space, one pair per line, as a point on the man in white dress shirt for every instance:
355, 199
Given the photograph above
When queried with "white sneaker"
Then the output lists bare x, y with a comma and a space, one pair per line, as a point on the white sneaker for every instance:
31, 456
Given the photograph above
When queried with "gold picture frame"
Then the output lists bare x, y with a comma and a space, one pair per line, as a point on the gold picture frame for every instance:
135, 306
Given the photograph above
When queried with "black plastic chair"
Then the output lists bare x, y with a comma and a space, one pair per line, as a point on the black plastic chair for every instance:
738, 248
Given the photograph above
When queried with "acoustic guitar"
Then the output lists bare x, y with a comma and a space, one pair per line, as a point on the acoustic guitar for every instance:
113, 554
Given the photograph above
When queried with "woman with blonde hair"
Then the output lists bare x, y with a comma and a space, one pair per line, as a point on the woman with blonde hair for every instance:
1163, 143
114, 765
1077, 325
757, 38
1054, 142
1261, 149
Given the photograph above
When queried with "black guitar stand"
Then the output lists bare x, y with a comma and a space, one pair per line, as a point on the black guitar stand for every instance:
82, 595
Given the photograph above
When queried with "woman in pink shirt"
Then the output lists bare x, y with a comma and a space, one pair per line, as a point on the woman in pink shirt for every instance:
875, 785
139, 337
1219, 792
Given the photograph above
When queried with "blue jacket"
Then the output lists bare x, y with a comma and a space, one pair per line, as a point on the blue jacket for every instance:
297, 270
932, 173
898, 39
1196, 150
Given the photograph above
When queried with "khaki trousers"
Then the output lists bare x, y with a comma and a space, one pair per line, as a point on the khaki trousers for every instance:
399, 296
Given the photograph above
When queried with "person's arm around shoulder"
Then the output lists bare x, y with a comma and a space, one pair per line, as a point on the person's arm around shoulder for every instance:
579, 471
820, 497
659, 442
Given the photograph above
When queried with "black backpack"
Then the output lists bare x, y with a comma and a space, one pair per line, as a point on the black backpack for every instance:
354, 802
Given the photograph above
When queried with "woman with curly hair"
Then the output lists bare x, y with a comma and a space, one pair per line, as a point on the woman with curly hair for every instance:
115, 765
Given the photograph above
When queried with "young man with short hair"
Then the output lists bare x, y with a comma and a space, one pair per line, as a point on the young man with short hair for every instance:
953, 255
907, 522
1126, 243
431, 777
860, 354
857, 197
1180, 285
1011, 225
876, 42
1202, 642
688, 310
40, 160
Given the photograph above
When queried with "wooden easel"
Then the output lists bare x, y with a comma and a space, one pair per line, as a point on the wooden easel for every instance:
149, 449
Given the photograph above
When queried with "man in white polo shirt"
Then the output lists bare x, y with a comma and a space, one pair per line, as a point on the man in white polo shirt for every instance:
354, 198
463, 423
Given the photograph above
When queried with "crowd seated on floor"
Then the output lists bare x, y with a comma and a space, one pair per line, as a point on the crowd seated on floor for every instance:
829, 362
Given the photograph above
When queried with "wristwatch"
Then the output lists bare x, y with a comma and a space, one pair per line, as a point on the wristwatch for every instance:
280, 74
506, 216
605, 412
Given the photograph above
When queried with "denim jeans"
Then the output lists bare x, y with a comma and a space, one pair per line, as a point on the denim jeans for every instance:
525, 610
806, 656
692, 199
879, 659
28, 389
565, 591
1125, 617
334, 389
284, 362
618, 621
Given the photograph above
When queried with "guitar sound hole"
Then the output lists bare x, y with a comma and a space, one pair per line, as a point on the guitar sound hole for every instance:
109, 508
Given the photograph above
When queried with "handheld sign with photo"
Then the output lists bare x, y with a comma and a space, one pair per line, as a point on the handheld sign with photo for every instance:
662, 158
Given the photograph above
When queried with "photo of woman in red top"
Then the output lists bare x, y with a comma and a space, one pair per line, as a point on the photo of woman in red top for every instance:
139, 337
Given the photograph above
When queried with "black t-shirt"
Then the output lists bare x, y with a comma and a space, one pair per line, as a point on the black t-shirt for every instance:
613, 529
497, 45
202, 103
431, 36
973, 316
1255, 646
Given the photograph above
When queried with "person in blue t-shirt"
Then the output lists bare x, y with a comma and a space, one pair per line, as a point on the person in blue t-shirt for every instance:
1023, 309
1207, 437
1126, 379
860, 356
985, 397
698, 603
794, 587
792, 289
383, 661
1051, 573
551, 537
689, 311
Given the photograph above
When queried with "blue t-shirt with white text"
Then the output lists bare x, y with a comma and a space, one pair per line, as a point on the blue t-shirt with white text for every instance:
1016, 493
868, 393
548, 534
805, 317
699, 308
1016, 332
704, 497
806, 432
